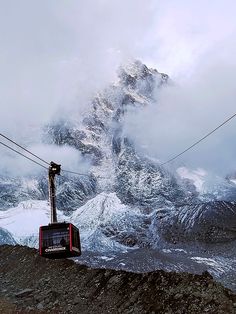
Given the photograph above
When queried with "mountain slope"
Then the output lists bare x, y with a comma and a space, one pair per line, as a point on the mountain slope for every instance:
6, 237
33, 283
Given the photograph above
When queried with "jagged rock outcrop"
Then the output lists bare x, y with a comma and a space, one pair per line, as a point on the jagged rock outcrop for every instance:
32, 284
210, 222
6, 237
15, 190
145, 184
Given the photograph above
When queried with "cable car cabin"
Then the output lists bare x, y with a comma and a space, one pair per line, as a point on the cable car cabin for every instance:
59, 240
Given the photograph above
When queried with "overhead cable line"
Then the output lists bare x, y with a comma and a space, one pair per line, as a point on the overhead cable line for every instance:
77, 173
68, 171
28, 151
7, 138
73, 172
16, 151
196, 143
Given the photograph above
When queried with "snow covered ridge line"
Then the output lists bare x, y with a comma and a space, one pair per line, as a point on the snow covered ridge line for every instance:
107, 224
104, 222
23, 221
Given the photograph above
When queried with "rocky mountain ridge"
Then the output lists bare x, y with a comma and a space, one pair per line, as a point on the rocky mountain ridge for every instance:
32, 284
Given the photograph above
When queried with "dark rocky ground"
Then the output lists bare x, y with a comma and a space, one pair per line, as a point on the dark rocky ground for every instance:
32, 284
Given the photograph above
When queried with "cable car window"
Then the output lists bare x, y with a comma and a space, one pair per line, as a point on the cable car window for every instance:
55, 237
75, 239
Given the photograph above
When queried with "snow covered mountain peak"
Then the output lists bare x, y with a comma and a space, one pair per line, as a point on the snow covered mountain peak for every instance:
126, 198
98, 210
134, 71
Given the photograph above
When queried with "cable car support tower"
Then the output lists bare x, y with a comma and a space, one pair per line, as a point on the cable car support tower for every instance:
54, 169
57, 239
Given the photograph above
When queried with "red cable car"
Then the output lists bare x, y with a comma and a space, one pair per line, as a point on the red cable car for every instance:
58, 239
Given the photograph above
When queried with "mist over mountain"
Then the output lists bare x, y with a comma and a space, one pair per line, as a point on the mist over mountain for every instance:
111, 90
124, 199
99, 145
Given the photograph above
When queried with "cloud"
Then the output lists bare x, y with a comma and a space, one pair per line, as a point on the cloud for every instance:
185, 33
70, 159
55, 55
185, 113
193, 43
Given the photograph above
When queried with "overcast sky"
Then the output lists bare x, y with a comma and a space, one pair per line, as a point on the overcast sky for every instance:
54, 53
194, 42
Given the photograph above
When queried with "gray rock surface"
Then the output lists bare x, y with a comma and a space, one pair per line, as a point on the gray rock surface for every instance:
61, 286
6, 237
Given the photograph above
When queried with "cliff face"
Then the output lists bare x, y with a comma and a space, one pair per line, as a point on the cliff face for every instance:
6, 237
116, 166
31, 284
